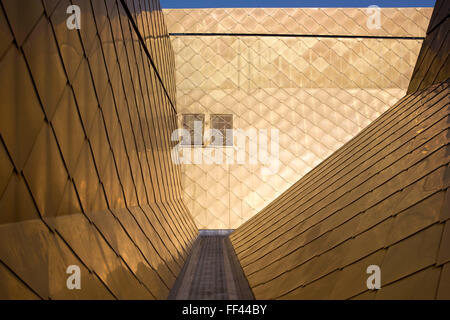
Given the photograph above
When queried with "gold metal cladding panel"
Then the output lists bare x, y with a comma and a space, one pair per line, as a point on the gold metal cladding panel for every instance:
432, 64
308, 179
85, 151
318, 92
309, 131
382, 197
227, 62
149, 21
401, 22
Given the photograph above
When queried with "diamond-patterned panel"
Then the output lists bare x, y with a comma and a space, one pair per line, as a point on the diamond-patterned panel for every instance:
81, 160
399, 22
318, 92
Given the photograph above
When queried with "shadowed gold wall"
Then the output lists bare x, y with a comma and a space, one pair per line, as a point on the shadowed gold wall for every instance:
432, 65
381, 199
319, 76
86, 177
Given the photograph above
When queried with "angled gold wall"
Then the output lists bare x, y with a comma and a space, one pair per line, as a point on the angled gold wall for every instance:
319, 89
432, 65
86, 177
381, 199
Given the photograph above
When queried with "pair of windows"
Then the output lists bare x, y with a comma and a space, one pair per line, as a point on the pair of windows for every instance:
221, 125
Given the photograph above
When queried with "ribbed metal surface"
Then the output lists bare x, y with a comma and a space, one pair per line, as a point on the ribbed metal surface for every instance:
86, 177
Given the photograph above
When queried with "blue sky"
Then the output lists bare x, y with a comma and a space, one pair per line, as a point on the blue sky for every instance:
293, 3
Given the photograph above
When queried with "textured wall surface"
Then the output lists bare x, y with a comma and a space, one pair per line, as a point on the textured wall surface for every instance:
318, 91
398, 22
86, 177
381, 199
433, 65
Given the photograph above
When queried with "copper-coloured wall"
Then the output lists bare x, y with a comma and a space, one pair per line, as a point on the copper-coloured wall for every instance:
86, 177
317, 76
382, 199
432, 65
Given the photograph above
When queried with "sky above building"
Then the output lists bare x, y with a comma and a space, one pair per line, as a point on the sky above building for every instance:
294, 3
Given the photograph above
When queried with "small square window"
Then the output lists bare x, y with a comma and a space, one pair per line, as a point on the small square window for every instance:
194, 123
224, 124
